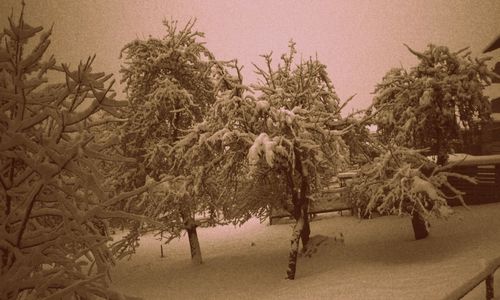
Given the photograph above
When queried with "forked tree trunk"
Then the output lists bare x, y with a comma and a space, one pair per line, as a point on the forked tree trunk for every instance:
420, 226
294, 248
194, 245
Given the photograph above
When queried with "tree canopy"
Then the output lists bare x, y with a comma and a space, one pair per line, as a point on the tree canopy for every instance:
170, 83
437, 103
274, 149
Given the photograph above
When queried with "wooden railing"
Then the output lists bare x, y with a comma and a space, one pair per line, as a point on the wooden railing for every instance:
486, 275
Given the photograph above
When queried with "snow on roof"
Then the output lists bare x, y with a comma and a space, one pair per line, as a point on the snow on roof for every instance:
462, 159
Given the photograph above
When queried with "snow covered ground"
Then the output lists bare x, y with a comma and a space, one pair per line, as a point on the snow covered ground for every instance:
374, 259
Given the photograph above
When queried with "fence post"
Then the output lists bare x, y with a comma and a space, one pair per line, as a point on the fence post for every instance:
489, 287
497, 179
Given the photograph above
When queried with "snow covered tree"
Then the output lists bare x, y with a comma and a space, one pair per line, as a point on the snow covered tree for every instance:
363, 145
170, 87
275, 150
437, 104
55, 204
300, 139
215, 150
402, 181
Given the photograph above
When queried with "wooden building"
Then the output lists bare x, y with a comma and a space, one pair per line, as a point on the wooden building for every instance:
490, 140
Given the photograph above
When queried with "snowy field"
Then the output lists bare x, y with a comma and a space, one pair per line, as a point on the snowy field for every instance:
375, 259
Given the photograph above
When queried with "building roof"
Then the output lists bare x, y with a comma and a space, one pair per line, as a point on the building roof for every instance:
462, 159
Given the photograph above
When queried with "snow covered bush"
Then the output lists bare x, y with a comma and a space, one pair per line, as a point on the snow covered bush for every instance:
55, 202
404, 182
170, 86
438, 104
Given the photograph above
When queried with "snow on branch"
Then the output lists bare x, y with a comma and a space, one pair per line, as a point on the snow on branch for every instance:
401, 181
57, 200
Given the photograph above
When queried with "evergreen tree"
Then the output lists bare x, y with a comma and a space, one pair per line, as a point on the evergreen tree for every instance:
55, 201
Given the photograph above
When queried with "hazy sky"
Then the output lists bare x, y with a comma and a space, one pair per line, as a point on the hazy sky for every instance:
358, 40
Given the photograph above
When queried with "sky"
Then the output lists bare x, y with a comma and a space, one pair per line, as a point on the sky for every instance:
358, 41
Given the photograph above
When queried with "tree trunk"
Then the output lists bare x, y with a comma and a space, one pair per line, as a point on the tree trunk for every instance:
306, 230
420, 228
194, 245
294, 248
442, 159
442, 154
301, 230
304, 207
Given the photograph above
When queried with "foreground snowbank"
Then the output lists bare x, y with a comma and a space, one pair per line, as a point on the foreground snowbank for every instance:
353, 259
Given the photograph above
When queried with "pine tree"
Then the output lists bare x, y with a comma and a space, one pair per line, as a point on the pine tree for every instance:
55, 202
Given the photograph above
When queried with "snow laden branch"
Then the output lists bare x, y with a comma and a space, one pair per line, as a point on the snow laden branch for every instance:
404, 182
214, 150
57, 200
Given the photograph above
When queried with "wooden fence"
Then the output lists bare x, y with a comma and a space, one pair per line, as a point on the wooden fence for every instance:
486, 275
485, 169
